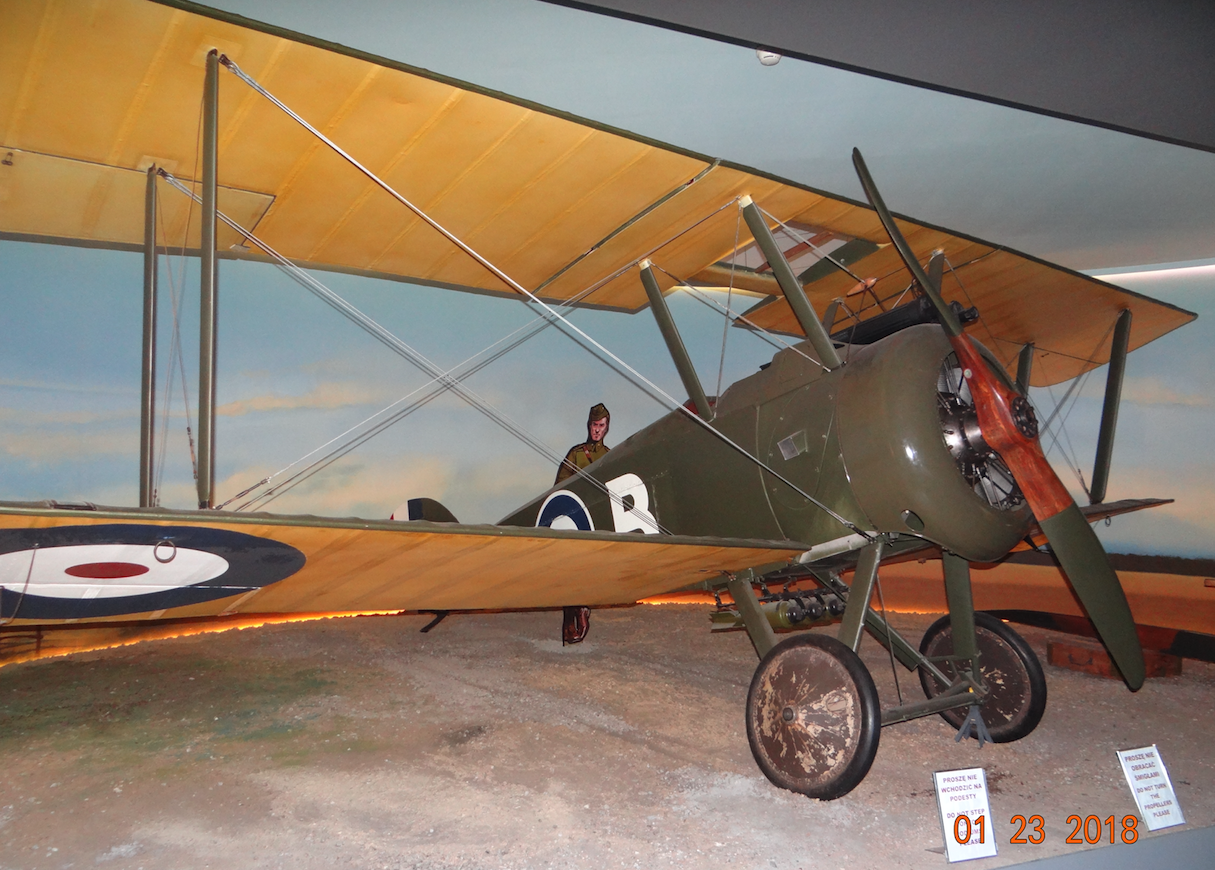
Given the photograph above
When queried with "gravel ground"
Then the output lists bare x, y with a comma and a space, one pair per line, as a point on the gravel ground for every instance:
485, 744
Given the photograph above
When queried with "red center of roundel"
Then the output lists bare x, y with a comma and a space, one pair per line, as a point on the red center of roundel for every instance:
107, 570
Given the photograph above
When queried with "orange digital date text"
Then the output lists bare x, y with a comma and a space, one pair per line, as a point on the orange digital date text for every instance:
1087, 829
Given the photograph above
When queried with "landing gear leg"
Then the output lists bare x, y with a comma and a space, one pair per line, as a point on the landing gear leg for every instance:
1016, 685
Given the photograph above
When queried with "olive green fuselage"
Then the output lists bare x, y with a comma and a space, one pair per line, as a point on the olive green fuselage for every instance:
865, 440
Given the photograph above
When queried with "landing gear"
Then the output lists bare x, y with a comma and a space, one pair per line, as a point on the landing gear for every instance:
1016, 685
813, 719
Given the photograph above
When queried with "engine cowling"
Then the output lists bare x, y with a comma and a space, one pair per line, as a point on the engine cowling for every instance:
913, 451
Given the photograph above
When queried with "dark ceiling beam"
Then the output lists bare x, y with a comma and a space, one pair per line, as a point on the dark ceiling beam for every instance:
1142, 67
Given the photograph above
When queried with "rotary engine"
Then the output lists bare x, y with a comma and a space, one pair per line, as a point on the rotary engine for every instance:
915, 454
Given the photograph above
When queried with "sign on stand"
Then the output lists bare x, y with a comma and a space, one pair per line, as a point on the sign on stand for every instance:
965, 814
1151, 786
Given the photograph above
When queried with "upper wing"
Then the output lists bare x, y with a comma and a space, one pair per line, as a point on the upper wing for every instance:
91, 95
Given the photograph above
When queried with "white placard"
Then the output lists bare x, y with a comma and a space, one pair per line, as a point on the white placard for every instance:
1151, 786
965, 814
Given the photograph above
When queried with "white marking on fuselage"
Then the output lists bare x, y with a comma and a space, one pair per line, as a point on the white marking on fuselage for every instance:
631, 505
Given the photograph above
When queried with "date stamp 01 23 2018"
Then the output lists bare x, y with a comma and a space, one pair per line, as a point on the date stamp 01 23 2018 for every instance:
965, 811
1031, 830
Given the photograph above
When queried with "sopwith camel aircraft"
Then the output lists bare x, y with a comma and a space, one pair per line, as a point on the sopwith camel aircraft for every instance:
889, 431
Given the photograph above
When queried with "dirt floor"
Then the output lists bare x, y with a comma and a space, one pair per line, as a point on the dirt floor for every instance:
485, 744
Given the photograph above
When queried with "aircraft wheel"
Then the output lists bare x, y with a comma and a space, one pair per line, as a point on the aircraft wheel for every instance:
813, 719
1017, 696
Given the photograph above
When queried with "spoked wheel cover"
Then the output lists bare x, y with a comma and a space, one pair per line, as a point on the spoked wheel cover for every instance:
813, 719
1011, 670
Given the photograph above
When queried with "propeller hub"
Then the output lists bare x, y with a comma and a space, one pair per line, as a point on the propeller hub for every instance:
979, 462
1024, 417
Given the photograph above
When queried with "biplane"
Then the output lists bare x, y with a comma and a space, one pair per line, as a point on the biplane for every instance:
894, 419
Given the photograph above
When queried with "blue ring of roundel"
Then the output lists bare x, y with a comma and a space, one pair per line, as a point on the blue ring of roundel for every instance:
561, 505
253, 563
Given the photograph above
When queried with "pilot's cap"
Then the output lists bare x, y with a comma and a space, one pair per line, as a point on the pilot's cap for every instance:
599, 412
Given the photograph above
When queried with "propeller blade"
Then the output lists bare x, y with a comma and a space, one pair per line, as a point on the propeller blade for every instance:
1009, 427
948, 319
1096, 585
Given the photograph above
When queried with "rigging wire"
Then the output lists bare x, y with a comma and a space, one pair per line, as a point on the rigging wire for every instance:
398, 346
568, 328
177, 291
805, 240
328, 459
532, 329
770, 338
542, 324
966, 293
176, 348
1075, 381
376, 330
1076, 386
1061, 430
725, 326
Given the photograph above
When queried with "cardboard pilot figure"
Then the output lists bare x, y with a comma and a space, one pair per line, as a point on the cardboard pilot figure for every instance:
576, 621
582, 455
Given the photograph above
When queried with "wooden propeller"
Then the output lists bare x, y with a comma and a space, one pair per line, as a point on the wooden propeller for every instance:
1010, 429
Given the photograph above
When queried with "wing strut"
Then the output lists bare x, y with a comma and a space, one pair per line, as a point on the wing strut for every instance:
670, 333
209, 288
147, 394
1109, 411
794, 294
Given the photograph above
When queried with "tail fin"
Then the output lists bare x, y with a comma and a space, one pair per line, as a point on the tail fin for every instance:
426, 509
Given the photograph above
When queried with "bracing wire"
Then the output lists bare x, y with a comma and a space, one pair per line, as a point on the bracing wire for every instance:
805, 240
1069, 452
536, 327
1077, 387
177, 363
373, 328
1090, 358
770, 338
176, 348
569, 329
725, 326
530, 330
395, 344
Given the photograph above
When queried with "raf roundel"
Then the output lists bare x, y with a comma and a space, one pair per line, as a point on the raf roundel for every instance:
564, 510
82, 572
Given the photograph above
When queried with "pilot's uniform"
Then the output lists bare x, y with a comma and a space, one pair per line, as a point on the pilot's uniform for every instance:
579, 457
582, 455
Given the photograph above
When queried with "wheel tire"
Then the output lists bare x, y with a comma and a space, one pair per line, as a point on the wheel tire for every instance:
1016, 698
813, 719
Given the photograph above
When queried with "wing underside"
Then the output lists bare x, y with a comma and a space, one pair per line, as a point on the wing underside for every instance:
91, 95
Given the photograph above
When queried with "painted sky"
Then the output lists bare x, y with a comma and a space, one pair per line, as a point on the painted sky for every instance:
292, 375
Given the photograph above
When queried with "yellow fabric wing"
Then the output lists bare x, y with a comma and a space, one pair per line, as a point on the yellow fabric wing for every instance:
91, 94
